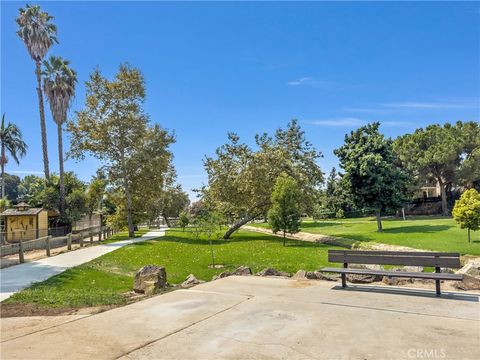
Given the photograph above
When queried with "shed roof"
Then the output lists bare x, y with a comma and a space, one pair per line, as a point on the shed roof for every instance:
16, 212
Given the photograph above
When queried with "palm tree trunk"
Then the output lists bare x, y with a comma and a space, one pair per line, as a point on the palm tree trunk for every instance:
3, 170
62, 175
42, 121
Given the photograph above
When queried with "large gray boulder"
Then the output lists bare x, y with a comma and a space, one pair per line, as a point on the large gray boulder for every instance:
221, 275
151, 278
471, 276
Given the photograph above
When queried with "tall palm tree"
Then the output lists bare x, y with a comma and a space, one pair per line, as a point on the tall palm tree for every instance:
59, 81
38, 34
11, 141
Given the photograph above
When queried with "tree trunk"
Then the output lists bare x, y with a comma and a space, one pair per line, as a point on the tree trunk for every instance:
131, 230
62, 174
283, 237
166, 220
443, 194
379, 221
468, 234
42, 121
211, 251
237, 226
3, 170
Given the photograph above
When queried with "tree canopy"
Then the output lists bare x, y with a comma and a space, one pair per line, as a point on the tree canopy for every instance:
241, 178
372, 175
466, 211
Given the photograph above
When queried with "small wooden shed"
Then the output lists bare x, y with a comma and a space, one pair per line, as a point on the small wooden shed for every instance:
25, 223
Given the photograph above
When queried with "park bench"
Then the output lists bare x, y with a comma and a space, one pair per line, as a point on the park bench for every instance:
405, 258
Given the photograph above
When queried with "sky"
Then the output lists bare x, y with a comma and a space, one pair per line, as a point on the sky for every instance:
251, 67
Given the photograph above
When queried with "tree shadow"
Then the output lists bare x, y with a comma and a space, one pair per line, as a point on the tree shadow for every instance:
417, 228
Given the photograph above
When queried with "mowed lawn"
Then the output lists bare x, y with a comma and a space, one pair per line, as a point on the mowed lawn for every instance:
429, 233
103, 281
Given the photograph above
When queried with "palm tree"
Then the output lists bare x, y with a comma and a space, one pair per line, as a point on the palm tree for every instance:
38, 34
59, 82
11, 141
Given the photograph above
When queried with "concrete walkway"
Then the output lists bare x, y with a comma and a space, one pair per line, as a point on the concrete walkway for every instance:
16, 278
262, 318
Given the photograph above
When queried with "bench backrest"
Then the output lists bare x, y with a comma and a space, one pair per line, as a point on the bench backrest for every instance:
407, 258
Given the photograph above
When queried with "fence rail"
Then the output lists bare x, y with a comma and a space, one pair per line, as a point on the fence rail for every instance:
50, 242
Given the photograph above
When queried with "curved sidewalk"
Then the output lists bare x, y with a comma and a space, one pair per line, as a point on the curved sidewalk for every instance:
16, 278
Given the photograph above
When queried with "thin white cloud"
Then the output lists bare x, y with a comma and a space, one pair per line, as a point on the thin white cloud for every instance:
426, 105
319, 84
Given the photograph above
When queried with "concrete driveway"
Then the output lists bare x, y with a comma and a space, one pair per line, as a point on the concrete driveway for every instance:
265, 318
18, 277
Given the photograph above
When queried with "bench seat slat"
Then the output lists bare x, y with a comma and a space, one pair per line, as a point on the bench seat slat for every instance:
396, 253
451, 262
417, 275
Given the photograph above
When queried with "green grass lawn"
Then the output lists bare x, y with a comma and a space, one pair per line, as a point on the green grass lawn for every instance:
104, 280
429, 233
123, 235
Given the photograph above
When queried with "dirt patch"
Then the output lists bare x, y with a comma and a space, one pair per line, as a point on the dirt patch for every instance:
19, 309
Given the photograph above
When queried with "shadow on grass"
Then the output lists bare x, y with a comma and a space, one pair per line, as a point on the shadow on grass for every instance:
417, 229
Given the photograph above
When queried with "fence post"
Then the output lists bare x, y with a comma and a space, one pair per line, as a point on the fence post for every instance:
21, 258
91, 236
47, 245
69, 241
81, 239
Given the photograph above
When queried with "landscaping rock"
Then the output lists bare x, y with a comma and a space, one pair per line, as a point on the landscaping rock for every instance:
272, 272
324, 276
150, 288
300, 275
396, 281
242, 271
221, 275
471, 276
364, 279
190, 281
148, 277
311, 275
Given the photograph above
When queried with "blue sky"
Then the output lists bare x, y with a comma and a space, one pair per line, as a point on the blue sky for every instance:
250, 67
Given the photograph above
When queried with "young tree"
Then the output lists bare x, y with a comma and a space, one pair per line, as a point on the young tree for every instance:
114, 128
466, 211
76, 206
38, 34
11, 141
340, 214
184, 220
241, 179
59, 81
371, 173
94, 195
210, 223
285, 213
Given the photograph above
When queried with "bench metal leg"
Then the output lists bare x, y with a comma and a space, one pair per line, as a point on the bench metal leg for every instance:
344, 276
437, 282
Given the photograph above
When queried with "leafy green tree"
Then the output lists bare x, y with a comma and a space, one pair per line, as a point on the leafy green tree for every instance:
94, 195
38, 34
59, 81
285, 213
76, 205
210, 224
241, 179
184, 220
340, 214
11, 186
114, 128
432, 153
466, 211
175, 200
11, 141
334, 196
371, 172
468, 135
